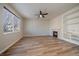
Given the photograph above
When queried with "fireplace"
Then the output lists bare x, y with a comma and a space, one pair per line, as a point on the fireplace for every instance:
55, 33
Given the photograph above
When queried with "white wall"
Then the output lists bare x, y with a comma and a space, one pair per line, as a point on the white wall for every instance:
36, 27
6, 40
57, 24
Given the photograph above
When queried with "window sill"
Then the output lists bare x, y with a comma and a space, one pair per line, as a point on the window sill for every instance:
11, 32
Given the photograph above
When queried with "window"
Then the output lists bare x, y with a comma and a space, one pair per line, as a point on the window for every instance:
16, 24
11, 23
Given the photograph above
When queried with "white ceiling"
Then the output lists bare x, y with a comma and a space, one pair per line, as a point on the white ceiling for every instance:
30, 10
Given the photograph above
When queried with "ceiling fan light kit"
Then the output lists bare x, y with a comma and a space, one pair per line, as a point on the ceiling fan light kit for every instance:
42, 15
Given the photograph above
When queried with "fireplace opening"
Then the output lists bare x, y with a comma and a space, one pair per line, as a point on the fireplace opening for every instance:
55, 34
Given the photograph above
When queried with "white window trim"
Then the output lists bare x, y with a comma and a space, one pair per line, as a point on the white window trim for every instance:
13, 31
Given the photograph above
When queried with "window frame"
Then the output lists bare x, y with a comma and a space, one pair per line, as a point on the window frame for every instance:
18, 24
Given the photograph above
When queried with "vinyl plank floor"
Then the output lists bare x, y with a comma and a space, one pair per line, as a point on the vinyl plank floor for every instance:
42, 46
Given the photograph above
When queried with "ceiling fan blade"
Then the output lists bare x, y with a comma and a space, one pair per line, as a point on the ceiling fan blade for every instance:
45, 14
42, 15
40, 12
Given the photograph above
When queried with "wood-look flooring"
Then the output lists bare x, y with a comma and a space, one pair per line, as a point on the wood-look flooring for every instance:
42, 46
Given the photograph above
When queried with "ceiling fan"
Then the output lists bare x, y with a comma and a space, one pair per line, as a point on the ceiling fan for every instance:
42, 15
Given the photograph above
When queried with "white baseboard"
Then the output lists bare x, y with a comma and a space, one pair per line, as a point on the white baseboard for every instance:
35, 35
10, 46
